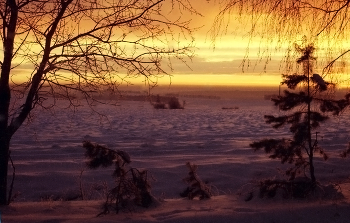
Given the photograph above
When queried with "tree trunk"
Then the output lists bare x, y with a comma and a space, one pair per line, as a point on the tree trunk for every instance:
8, 37
311, 149
4, 158
5, 98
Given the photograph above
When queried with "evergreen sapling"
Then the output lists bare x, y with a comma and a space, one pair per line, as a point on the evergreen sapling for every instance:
131, 183
308, 108
196, 188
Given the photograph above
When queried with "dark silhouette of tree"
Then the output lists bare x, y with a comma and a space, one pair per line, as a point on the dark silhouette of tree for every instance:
196, 187
131, 183
81, 47
309, 108
174, 103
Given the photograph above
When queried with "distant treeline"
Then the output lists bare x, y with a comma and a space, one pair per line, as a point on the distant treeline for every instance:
140, 96
135, 95
194, 96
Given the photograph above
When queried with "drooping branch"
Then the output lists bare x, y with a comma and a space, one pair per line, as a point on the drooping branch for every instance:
327, 68
277, 25
291, 100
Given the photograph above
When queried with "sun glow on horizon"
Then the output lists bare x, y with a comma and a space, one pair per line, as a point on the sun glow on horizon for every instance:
217, 63
226, 80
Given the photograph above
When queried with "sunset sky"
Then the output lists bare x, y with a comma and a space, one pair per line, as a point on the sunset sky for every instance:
222, 62
218, 63
234, 58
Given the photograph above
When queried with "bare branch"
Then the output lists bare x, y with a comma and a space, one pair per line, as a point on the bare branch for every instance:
84, 46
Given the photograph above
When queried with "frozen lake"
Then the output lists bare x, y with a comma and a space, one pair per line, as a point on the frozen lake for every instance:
49, 157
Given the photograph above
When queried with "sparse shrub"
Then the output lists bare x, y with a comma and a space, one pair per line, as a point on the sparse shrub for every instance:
159, 104
299, 188
196, 188
174, 103
309, 108
131, 183
290, 189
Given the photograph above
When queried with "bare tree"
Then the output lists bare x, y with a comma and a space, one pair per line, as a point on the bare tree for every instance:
81, 46
280, 23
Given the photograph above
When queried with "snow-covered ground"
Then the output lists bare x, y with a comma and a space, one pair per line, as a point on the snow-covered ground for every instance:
49, 160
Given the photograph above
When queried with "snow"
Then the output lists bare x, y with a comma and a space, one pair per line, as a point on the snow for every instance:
50, 170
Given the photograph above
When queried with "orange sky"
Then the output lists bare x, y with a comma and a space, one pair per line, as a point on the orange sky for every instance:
219, 62
222, 62
221, 65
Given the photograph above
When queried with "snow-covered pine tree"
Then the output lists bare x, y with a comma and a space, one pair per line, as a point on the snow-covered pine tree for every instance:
196, 188
131, 183
308, 108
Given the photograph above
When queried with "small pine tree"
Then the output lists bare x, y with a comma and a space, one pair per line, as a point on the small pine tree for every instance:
131, 183
196, 188
308, 109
